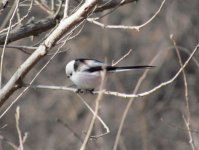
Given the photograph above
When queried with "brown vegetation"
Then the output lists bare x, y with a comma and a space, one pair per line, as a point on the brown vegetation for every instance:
143, 109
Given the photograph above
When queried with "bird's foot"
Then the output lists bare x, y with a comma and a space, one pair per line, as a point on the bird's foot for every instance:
86, 91
90, 91
79, 91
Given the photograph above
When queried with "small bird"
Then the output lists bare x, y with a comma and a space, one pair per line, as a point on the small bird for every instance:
86, 74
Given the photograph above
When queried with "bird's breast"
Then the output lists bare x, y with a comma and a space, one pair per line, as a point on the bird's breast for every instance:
84, 80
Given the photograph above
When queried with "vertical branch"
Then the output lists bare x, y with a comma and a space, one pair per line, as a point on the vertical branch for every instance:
141, 79
99, 97
6, 40
18, 17
17, 116
184, 78
9, 14
66, 11
98, 117
186, 120
53, 5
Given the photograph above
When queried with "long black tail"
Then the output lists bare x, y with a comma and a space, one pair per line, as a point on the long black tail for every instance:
126, 68
117, 69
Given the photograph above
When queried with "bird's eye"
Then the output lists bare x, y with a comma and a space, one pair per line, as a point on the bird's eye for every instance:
69, 75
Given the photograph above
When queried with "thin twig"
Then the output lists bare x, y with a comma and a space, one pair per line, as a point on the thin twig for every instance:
113, 4
75, 35
98, 117
17, 116
8, 16
68, 127
125, 27
15, 100
7, 35
65, 26
111, 11
24, 49
187, 121
152, 90
184, 129
53, 5
158, 86
66, 10
124, 95
44, 7
77, 7
9, 142
187, 52
97, 103
2, 127
184, 78
122, 58
5, 43
18, 17
191, 141
24, 17
141, 79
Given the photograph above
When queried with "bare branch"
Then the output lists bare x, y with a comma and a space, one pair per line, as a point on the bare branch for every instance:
5, 43
160, 85
97, 102
124, 27
9, 142
18, 23
8, 15
43, 25
187, 121
141, 79
68, 127
17, 116
187, 52
98, 117
53, 5
44, 7
191, 141
15, 100
124, 56
113, 4
29, 29
124, 95
152, 90
66, 11
65, 26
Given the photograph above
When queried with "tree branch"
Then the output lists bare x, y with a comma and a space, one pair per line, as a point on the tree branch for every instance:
113, 4
65, 26
123, 95
29, 29
46, 24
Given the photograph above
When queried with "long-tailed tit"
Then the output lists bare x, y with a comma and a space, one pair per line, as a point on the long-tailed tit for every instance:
86, 74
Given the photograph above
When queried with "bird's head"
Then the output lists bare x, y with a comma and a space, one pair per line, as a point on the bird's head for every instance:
70, 68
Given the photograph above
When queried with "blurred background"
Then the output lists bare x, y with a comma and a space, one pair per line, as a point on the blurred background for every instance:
153, 122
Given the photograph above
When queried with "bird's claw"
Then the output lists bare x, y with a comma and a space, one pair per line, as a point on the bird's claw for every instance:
79, 91
90, 91
87, 91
